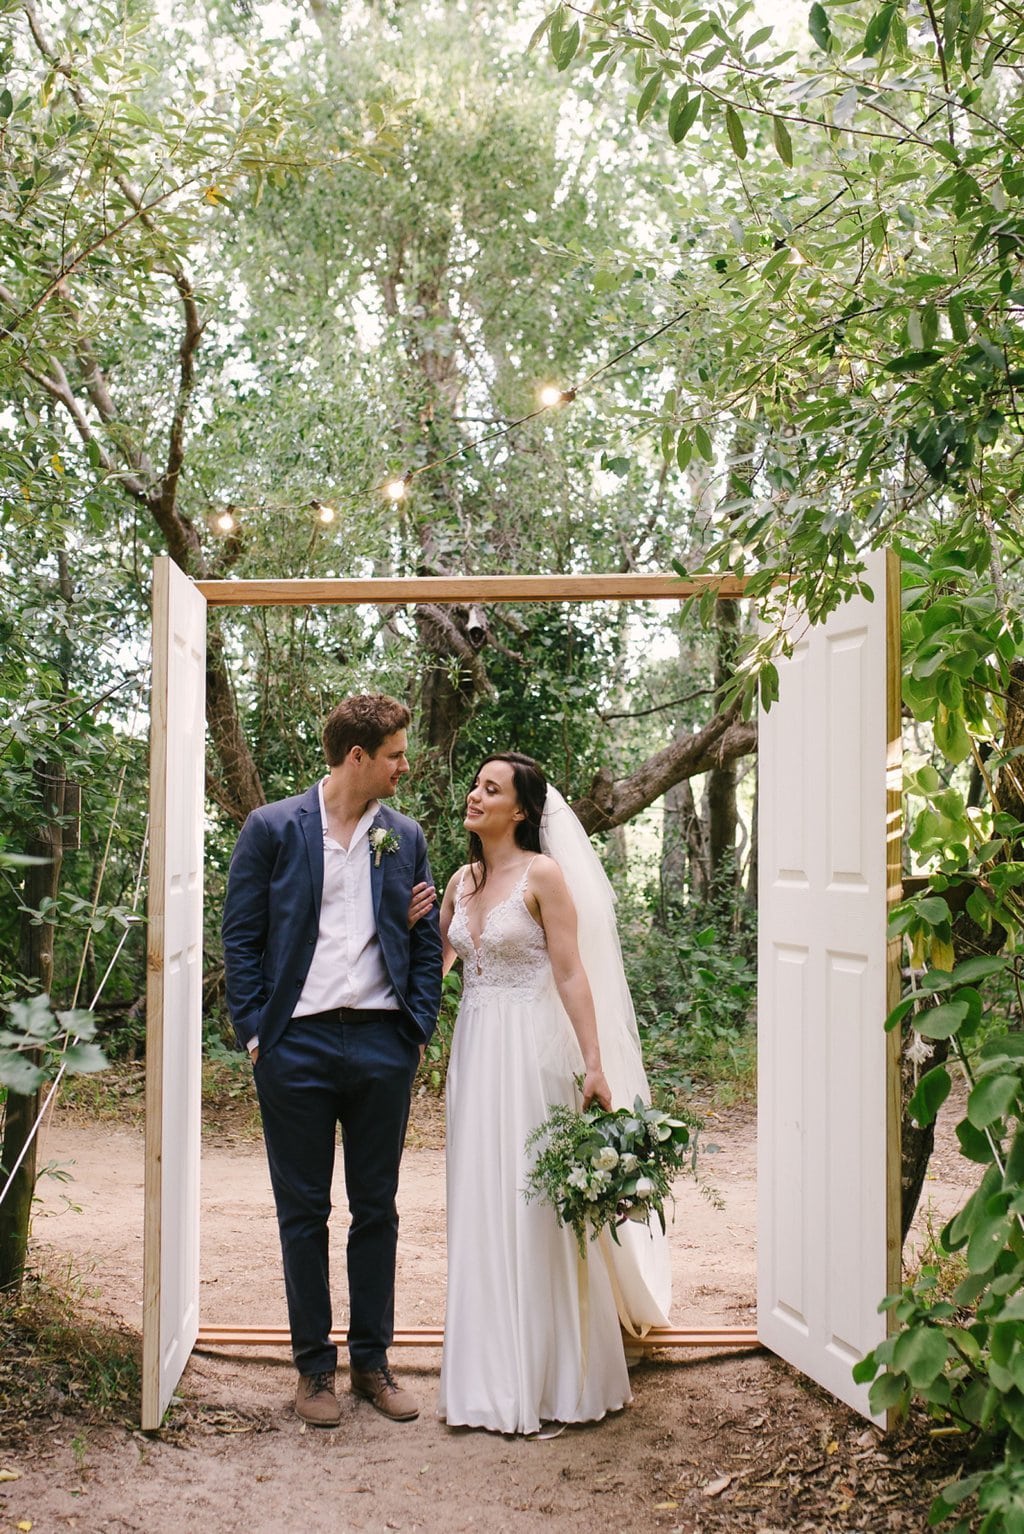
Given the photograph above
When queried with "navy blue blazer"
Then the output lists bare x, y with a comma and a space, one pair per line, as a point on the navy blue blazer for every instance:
272, 918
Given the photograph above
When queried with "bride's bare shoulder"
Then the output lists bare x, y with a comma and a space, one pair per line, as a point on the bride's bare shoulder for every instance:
455, 880
545, 872
468, 870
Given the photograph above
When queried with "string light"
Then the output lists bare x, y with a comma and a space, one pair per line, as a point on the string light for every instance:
397, 489
549, 396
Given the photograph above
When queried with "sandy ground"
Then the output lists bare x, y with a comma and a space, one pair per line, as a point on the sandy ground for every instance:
737, 1441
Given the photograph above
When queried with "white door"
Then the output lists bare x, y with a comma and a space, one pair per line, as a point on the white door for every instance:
170, 1316
828, 1082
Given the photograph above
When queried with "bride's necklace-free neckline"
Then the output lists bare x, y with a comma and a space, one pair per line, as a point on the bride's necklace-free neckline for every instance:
517, 889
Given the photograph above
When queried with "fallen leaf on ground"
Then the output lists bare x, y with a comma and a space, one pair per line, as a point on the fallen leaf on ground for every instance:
716, 1488
10, 1475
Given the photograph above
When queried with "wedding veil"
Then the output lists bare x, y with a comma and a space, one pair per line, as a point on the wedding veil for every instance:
640, 1266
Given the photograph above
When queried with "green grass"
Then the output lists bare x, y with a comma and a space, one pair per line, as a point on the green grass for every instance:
56, 1358
118, 1096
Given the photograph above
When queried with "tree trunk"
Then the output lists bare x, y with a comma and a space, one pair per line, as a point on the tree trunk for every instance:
751, 889
677, 807
722, 813
35, 962
239, 790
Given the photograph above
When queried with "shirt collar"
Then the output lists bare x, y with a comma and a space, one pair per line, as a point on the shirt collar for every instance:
365, 822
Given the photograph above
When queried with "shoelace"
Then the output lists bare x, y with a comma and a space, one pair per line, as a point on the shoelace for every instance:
320, 1383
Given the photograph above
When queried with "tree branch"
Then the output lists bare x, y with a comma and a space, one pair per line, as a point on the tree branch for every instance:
612, 802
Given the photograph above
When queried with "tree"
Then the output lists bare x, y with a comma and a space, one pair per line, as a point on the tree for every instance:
854, 295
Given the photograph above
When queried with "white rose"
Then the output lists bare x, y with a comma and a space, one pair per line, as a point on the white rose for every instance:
644, 1187
606, 1159
629, 1163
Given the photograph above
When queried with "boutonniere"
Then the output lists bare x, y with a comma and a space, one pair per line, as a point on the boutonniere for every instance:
382, 840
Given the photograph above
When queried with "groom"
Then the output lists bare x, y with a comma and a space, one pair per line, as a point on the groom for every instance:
334, 995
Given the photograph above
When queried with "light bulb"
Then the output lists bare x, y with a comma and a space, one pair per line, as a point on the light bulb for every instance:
549, 395
396, 489
225, 523
326, 514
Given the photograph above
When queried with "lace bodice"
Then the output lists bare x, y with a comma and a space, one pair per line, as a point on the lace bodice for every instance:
512, 955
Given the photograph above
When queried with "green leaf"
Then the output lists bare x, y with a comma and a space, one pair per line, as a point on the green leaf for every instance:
912, 362
951, 735
943, 1021
932, 1091
987, 1240
539, 31
991, 1098
974, 1144
920, 1353
977, 969
83, 1059
956, 1492
817, 25
877, 34
782, 141
658, 30
6, 103
649, 95
18, 1074
682, 114
933, 909
564, 45
865, 1369
888, 1390
703, 444
684, 450
734, 128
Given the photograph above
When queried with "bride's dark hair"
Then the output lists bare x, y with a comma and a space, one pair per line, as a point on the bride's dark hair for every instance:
531, 787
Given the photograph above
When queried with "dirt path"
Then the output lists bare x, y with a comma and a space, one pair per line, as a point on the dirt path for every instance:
736, 1442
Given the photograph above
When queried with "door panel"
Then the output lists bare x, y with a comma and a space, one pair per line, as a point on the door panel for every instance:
828, 1135
174, 987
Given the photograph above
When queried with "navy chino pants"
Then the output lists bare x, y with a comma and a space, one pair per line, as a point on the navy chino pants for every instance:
356, 1070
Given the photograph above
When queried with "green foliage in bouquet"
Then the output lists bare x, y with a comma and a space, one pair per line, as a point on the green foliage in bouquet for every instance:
599, 1168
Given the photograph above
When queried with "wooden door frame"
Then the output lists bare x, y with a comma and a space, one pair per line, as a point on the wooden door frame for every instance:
487, 590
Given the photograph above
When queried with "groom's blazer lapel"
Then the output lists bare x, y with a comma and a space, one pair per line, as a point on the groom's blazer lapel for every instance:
313, 834
377, 869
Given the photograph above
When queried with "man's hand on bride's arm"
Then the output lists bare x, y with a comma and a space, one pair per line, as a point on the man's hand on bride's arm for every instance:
596, 1089
422, 900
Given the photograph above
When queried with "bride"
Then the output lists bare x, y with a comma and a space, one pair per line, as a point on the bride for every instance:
533, 1333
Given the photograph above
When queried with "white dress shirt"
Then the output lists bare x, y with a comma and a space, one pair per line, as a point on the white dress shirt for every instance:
348, 966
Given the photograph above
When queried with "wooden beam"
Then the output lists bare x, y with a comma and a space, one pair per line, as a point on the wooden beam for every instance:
433, 1337
468, 588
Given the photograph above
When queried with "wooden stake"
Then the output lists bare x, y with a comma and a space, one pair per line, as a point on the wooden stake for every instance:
433, 1337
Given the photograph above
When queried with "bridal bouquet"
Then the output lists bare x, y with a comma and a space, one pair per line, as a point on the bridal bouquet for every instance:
599, 1168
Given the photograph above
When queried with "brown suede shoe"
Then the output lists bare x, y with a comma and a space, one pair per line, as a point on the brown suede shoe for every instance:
315, 1400
382, 1390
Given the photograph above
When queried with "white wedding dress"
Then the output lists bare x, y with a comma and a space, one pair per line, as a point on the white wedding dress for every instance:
532, 1332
